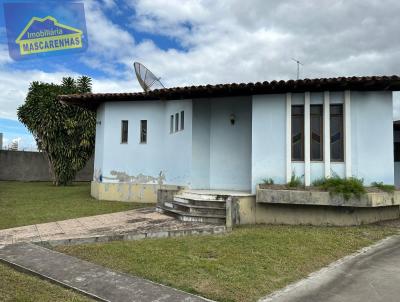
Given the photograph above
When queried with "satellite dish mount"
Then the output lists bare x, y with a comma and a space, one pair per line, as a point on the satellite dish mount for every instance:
147, 80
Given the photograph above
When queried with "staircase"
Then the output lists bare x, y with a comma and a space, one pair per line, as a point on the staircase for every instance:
194, 206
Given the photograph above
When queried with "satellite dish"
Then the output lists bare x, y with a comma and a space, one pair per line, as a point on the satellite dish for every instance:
146, 78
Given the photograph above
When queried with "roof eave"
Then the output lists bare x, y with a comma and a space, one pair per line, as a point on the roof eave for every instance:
382, 83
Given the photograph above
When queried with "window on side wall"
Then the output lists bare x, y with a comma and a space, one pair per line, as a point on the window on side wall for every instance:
298, 133
316, 132
124, 132
337, 133
176, 122
171, 124
182, 120
143, 131
396, 151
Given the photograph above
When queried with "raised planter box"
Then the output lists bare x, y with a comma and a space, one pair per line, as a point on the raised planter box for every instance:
304, 197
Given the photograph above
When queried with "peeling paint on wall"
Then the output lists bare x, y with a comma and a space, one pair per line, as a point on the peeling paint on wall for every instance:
137, 179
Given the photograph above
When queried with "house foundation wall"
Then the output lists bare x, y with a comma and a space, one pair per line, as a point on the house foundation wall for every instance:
128, 192
244, 210
247, 211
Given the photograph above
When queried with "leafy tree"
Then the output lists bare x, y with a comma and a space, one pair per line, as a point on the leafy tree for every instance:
65, 133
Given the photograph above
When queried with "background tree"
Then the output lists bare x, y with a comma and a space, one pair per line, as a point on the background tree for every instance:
65, 133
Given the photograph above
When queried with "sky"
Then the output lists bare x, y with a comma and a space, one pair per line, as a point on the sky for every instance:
208, 42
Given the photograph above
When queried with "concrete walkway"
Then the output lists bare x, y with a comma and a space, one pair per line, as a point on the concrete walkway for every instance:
128, 225
371, 275
85, 277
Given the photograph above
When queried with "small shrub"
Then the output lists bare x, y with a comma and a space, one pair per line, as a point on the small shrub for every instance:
295, 181
267, 181
385, 188
348, 187
318, 182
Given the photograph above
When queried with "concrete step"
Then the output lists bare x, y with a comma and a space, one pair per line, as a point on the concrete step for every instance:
193, 217
195, 209
215, 203
201, 196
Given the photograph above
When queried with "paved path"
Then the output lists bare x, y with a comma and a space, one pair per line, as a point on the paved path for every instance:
128, 225
91, 279
372, 275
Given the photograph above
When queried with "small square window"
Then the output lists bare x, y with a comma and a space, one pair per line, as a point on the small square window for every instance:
143, 131
182, 120
124, 132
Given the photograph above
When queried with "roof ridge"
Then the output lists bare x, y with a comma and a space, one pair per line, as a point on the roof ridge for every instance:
91, 100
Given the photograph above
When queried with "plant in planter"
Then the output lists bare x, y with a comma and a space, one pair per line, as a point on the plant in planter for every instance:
295, 181
267, 181
385, 188
348, 187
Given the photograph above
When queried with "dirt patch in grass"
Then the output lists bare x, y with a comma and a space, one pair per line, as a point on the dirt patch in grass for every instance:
24, 203
244, 265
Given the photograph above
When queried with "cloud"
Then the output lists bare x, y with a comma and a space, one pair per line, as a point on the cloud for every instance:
110, 4
4, 56
14, 86
109, 44
255, 40
13, 90
227, 41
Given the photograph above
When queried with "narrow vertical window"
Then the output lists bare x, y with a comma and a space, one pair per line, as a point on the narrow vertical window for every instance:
182, 120
396, 151
171, 124
176, 122
396, 139
143, 131
336, 125
124, 132
316, 131
298, 133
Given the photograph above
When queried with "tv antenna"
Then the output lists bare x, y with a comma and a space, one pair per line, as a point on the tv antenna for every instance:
298, 67
146, 78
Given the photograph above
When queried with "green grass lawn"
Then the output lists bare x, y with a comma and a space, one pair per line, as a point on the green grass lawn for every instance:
24, 203
16, 286
241, 266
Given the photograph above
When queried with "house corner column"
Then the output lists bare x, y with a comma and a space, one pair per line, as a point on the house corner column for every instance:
288, 136
327, 135
347, 133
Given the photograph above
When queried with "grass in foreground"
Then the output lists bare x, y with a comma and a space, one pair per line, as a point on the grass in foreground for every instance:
24, 203
16, 286
241, 266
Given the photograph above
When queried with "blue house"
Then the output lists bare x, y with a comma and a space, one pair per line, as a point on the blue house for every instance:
232, 136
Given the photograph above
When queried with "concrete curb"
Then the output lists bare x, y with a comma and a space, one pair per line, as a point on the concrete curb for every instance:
130, 236
327, 273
